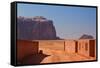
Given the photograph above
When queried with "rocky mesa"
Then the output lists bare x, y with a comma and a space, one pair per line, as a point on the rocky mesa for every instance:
36, 28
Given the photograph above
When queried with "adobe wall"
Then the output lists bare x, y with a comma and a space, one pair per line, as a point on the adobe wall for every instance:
25, 48
82, 47
95, 48
92, 46
63, 45
85, 47
82, 44
70, 46
52, 44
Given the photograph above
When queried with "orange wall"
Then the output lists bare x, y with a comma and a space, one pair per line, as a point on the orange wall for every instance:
81, 47
84, 47
64, 45
70, 46
52, 44
25, 48
92, 47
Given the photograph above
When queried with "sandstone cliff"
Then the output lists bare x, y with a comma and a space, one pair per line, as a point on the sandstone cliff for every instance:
37, 28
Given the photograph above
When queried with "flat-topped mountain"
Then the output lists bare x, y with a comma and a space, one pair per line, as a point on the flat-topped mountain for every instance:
36, 28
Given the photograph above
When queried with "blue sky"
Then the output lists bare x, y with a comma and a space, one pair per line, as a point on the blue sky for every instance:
70, 22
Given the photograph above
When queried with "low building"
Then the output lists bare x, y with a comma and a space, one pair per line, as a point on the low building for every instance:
87, 47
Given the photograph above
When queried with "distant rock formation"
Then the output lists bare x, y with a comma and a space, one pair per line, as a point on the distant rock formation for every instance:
85, 36
37, 28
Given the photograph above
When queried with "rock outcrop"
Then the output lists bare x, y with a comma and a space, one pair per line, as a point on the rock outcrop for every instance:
37, 28
85, 36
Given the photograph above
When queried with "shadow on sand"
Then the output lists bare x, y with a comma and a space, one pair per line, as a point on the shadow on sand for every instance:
33, 58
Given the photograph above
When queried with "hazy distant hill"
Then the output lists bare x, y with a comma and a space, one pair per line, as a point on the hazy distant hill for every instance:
36, 28
85, 36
